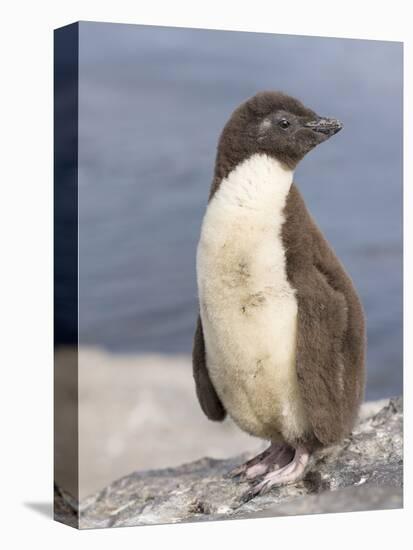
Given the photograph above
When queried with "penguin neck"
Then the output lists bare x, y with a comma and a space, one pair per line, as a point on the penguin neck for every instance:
257, 186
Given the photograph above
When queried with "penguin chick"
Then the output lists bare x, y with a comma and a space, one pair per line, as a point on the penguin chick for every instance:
280, 338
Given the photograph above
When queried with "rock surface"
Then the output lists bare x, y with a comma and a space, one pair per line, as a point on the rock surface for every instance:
136, 406
364, 473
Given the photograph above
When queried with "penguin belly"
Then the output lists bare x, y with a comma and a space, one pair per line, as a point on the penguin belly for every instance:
247, 306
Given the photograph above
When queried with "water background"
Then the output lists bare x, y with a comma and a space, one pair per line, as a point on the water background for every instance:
152, 102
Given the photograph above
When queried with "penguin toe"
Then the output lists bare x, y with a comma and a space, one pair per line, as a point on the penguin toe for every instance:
254, 490
235, 473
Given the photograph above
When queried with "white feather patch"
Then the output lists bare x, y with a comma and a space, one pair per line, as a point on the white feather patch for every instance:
247, 306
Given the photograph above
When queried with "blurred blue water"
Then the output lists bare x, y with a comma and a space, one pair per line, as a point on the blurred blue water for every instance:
152, 103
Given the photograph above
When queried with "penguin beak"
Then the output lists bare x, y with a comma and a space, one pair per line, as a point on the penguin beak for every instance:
327, 126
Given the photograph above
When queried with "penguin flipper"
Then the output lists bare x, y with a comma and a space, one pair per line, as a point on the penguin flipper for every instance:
207, 396
320, 361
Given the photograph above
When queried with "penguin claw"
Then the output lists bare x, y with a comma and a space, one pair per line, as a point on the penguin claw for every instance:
235, 473
240, 473
255, 490
247, 496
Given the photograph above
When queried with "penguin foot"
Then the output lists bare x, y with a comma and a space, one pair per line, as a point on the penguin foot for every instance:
285, 475
277, 455
280, 456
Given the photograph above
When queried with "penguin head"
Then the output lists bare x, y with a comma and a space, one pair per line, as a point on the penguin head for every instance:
278, 125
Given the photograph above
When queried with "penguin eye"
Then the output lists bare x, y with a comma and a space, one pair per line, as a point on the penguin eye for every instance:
284, 123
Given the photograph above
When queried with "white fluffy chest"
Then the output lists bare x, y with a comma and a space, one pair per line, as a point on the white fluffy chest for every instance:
248, 308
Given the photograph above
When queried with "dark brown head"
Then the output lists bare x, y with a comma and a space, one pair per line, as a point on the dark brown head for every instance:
275, 124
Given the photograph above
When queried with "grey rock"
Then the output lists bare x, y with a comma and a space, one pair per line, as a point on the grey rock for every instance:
364, 473
349, 499
65, 508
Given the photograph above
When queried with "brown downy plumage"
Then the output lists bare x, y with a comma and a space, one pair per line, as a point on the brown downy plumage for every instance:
330, 333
